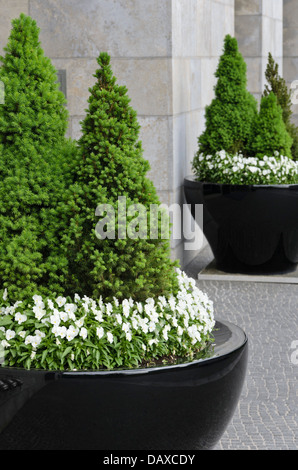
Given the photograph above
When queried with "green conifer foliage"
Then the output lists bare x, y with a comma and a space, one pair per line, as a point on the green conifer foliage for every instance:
231, 112
34, 166
269, 131
277, 85
112, 167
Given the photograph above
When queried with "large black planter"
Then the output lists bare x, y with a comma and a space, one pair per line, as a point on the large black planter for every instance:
186, 406
250, 228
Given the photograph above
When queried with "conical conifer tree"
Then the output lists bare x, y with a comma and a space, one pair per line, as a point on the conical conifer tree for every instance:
112, 171
34, 165
269, 130
231, 112
277, 85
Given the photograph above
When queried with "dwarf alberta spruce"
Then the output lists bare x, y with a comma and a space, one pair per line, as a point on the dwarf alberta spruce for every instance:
111, 164
227, 154
87, 334
35, 161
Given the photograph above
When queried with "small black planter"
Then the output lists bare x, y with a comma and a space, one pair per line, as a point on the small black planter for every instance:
186, 406
250, 228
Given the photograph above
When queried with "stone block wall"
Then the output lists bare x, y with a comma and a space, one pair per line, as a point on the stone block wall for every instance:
290, 50
259, 30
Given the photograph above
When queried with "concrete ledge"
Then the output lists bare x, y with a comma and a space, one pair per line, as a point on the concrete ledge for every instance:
211, 273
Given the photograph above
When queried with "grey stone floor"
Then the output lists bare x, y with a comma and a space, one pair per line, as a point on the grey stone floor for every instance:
267, 414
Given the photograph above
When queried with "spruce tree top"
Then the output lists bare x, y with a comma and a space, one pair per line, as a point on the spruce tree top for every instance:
111, 166
269, 131
230, 114
110, 139
34, 107
277, 85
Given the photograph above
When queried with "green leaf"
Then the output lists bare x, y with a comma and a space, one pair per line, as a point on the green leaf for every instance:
6, 320
67, 351
44, 355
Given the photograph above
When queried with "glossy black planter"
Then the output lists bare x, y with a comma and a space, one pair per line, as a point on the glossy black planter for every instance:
186, 406
250, 229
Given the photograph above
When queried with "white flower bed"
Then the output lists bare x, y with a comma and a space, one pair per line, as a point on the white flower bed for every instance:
89, 334
237, 169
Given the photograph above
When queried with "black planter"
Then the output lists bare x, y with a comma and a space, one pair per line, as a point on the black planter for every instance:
186, 406
250, 228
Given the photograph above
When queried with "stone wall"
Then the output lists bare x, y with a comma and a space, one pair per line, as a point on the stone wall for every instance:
259, 30
290, 50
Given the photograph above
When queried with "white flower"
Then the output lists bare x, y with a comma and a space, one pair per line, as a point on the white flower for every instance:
55, 319
60, 301
20, 318
143, 324
83, 333
22, 334
38, 300
80, 321
98, 315
10, 334
110, 337
4, 294
39, 311
172, 302
162, 301
70, 308
33, 340
119, 319
77, 298
109, 308
128, 336
151, 326
165, 332
179, 330
126, 310
125, 327
100, 332
139, 307
63, 316
72, 332
62, 331
39, 333
50, 304
59, 331
5, 344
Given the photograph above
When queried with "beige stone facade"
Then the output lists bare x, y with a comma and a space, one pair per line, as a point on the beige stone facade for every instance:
166, 53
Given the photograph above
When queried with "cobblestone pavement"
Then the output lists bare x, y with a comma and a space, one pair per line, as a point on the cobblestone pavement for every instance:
267, 414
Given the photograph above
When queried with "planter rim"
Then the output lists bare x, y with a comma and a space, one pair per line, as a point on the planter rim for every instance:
192, 179
236, 339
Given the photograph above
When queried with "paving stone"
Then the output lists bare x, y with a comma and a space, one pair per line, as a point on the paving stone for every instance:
266, 417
